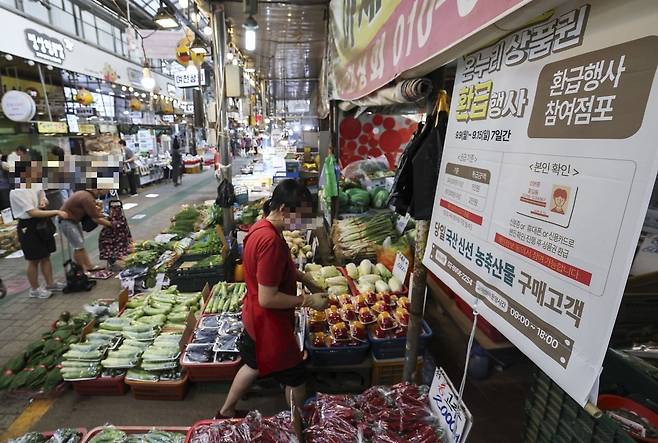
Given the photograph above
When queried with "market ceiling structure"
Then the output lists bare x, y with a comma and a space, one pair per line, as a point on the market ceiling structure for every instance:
291, 41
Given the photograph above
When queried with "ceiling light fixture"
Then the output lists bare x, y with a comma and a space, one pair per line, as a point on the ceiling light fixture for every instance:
229, 56
198, 46
207, 30
164, 18
250, 26
9, 57
30, 62
148, 82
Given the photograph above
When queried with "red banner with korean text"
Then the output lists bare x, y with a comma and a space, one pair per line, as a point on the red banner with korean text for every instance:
375, 40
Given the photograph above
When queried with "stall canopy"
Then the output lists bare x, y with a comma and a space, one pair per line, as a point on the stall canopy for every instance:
376, 41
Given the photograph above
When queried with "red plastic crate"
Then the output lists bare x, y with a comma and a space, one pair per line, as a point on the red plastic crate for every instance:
483, 325
101, 386
136, 430
201, 372
159, 390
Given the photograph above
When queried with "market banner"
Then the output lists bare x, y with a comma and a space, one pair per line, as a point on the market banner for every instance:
549, 162
375, 41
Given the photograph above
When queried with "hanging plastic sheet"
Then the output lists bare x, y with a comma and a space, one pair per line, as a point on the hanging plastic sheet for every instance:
405, 91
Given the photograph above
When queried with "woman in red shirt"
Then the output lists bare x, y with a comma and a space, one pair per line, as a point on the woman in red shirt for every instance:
268, 345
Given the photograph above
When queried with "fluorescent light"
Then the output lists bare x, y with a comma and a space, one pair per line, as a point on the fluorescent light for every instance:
250, 40
165, 19
307, 128
250, 26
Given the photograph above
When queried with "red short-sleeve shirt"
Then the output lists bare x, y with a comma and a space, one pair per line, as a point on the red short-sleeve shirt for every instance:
267, 262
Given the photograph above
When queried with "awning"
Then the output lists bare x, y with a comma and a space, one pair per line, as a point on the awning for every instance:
376, 41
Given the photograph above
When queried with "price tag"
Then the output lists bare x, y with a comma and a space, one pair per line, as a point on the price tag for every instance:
450, 410
129, 285
159, 280
401, 267
402, 223
7, 216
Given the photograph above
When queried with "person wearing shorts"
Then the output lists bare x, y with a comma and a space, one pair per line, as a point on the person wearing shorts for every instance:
35, 228
268, 345
79, 205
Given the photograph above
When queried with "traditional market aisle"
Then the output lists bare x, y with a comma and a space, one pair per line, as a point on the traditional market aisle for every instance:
23, 320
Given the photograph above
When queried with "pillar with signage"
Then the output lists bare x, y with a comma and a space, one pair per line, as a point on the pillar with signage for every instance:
548, 167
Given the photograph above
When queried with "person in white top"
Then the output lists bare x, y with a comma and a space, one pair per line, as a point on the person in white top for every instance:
35, 227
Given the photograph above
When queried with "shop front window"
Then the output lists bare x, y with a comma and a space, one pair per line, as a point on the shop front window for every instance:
89, 27
61, 13
36, 10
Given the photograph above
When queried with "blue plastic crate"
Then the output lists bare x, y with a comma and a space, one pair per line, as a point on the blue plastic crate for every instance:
337, 356
383, 348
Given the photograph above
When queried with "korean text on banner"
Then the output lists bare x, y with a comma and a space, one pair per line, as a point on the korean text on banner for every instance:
375, 41
548, 167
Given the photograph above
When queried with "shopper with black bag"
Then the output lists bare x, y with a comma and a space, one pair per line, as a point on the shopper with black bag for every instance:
35, 227
84, 216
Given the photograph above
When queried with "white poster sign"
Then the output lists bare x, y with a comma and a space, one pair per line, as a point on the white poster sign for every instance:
548, 167
451, 411
190, 78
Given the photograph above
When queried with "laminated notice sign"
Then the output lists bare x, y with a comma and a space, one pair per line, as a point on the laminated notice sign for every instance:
547, 170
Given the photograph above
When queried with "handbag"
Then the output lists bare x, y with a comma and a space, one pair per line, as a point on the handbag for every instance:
87, 223
45, 228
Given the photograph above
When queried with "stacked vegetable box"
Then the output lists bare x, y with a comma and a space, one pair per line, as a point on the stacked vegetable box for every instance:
368, 306
140, 348
211, 353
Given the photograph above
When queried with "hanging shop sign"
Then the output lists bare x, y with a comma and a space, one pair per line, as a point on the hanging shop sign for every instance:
47, 48
547, 170
187, 107
374, 42
52, 128
18, 106
190, 78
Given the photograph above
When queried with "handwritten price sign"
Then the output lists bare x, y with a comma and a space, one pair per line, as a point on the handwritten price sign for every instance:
401, 267
452, 412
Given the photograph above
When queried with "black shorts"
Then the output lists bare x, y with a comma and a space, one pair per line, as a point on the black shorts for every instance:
293, 377
36, 243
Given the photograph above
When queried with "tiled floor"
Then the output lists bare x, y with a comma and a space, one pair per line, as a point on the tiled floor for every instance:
23, 320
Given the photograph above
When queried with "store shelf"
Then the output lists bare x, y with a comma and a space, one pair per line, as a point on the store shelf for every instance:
461, 320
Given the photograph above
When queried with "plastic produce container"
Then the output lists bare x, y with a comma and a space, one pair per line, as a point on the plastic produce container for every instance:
101, 386
338, 355
159, 390
383, 348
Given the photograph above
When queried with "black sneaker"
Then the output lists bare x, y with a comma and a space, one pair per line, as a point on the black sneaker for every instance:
3, 289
